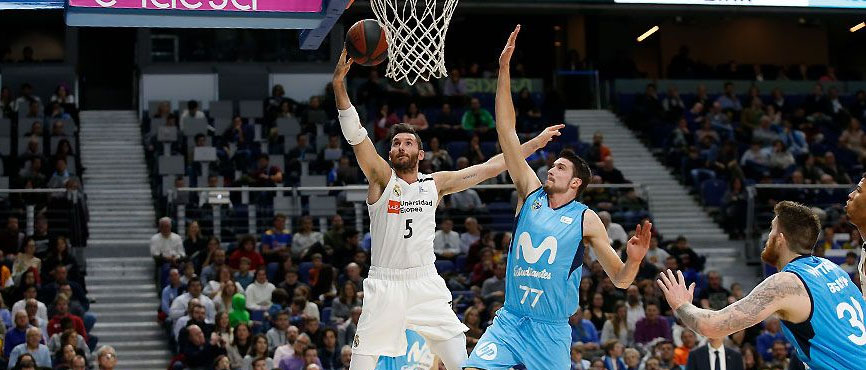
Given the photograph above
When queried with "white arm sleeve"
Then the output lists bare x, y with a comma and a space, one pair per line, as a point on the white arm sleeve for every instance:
353, 131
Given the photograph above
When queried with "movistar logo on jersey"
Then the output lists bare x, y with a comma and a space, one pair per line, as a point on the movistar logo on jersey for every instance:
532, 254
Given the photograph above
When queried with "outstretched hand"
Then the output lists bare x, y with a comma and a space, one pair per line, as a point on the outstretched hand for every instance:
638, 245
548, 134
505, 57
675, 290
343, 65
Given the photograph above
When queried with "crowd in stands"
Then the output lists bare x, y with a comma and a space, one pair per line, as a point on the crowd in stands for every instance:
721, 144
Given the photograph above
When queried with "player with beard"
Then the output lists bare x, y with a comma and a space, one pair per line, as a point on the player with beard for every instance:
545, 260
827, 332
855, 208
403, 290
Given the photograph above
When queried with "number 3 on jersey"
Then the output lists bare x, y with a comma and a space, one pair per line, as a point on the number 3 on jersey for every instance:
856, 320
408, 229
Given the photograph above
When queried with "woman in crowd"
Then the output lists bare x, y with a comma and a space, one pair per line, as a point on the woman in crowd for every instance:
25, 260
342, 307
60, 255
222, 327
616, 327
258, 349
472, 319
195, 244
240, 345
596, 311
440, 160
223, 299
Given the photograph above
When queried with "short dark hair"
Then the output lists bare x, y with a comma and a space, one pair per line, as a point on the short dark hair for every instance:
404, 128
799, 224
581, 169
192, 104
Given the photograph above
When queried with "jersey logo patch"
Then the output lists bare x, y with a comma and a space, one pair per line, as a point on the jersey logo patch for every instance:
394, 206
487, 351
532, 254
536, 205
566, 220
397, 190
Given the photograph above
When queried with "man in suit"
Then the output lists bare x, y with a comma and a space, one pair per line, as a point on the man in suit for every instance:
714, 356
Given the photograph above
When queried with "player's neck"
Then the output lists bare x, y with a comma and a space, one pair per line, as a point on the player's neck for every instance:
408, 176
557, 200
785, 258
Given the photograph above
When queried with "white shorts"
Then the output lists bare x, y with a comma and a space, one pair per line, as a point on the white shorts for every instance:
400, 299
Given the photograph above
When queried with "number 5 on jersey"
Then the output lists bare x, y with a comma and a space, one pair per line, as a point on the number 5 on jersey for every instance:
408, 229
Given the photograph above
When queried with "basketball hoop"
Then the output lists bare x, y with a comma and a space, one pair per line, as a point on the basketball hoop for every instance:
415, 32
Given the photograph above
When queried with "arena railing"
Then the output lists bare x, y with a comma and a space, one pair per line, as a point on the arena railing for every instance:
249, 210
830, 199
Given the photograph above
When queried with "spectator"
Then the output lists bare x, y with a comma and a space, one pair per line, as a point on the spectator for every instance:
415, 118
652, 326
240, 345
439, 158
454, 87
765, 342
446, 243
734, 208
478, 119
61, 95
714, 296
30, 293
223, 298
779, 354
179, 305
494, 286
612, 358
18, 334
223, 276
850, 264
11, 237
287, 349
475, 155
609, 174
830, 167
542, 172
61, 306
852, 138
59, 255
305, 238
705, 131
26, 97
634, 307
471, 236
246, 249
61, 174
616, 328
665, 350
214, 262
166, 246
199, 354
577, 361
258, 350
278, 335
32, 346
689, 342
686, 256
26, 261
631, 357
276, 240
241, 136
467, 201
341, 307
353, 274
171, 291
259, 292
615, 231
729, 100
296, 361
290, 280
265, 175
244, 276
598, 151
195, 244
672, 103
328, 353
583, 330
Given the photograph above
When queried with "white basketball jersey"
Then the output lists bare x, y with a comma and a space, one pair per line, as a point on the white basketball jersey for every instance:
403, 223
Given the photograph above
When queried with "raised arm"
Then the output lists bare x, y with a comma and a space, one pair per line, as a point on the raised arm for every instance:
523, 176
621, 274
782, 293
449, 182
375, 168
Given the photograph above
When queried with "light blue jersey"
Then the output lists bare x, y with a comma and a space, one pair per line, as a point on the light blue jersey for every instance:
834, 336
417, 357
541, 290
545, 260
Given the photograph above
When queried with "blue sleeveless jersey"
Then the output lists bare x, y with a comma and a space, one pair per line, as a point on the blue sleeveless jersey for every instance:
545, 260
834, 336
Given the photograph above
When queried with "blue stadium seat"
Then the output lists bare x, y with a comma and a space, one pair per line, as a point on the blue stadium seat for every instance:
304, 271
272, 269
326, 315
488, 148
712, 192
460, 263
445, 267
457, 149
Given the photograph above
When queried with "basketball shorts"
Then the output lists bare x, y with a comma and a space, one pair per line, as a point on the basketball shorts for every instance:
514, 339
400, 299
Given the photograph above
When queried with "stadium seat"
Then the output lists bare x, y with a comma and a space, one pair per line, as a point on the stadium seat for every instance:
304, 270
171, 165
444, 267
460, 262
251, 109
457, 149
326, 315
221, 109
712, 192
271, 271
194, 126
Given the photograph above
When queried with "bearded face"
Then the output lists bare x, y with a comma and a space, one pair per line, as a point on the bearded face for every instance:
405, 153
772, 249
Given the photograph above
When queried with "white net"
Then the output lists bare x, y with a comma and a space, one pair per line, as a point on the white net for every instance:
416, 37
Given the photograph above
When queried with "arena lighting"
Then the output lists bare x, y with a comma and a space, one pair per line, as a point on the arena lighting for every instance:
648, 33
858, 26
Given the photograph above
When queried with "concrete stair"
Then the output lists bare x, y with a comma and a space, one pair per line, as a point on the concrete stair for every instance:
675, 212
119, 266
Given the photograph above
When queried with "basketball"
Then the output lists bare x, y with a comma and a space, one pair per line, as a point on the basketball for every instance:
366, 43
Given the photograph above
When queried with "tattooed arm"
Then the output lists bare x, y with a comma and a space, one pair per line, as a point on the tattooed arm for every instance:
782, 293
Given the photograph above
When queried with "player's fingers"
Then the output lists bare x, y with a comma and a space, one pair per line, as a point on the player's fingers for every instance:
664, 278
350, 61
637, 231
672, 277
692, 289
648, 229
680, 278
662, 286
558, 126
